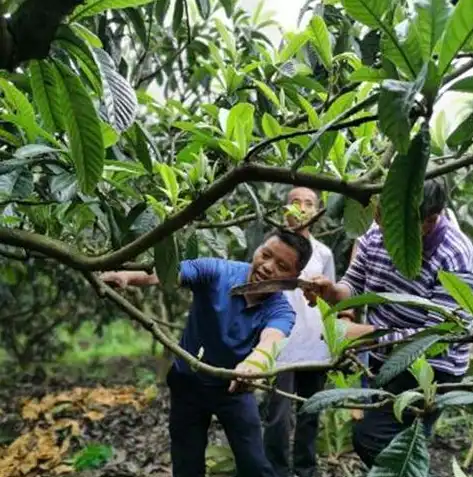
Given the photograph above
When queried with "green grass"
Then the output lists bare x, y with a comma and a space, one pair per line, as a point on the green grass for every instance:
119, 339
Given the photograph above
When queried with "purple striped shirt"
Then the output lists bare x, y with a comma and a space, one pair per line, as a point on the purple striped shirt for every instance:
445, 248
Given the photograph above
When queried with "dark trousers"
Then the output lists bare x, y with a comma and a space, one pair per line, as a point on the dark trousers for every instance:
278, 417
379, 427
192, 407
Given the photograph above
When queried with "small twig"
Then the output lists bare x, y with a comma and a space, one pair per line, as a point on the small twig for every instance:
170, 60
311, 221
150, 324
236, 221
366, 370
294, 122
332, 125
377, 171
306, 132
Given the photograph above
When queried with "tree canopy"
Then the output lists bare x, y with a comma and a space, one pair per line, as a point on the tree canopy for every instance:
135, 133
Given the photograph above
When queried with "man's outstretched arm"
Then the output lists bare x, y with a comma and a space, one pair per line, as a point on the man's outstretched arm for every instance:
124, 278
268, 339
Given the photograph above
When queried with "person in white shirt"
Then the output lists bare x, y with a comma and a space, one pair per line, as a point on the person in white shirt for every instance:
304, 344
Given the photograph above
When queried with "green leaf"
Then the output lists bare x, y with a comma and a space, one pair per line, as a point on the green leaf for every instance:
240, 125
141, 147
368, 12
270, 126
162, 7
34, 150
423, 372
396, 100
81, 51
406, 456
403, 400
294, 45
82, 126
166, 262
465, 85
19, 106
63, 187
402, 47
137, 19
228, 39
400, 202
109, 135
462, 134
365, 73
170, 180
391, 298
204, 8
429, 22
457, 470
324, 399
458, 31
320, 39
192, 246
177, 15
91, 38
454, 398
356, 218
458, 289
94, 7
314, 120
268, 92
231, 149
403, 356
119, 97
17, 184
43, 85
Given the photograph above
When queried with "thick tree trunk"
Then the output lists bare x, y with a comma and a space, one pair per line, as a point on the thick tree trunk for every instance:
28, 34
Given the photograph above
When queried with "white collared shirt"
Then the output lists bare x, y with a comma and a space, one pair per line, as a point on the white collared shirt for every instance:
305, 343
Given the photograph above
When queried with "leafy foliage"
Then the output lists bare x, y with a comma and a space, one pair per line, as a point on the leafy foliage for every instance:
324, 399
184, 116
406, 455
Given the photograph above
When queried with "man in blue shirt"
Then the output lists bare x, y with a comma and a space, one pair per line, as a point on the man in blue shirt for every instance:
226, 331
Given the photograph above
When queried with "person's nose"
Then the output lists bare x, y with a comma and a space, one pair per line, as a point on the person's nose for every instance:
268, 267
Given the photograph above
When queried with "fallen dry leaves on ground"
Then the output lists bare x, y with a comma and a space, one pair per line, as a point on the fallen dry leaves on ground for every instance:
47, 440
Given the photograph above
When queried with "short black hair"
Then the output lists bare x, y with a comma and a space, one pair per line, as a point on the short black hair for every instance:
297, 241
435, 197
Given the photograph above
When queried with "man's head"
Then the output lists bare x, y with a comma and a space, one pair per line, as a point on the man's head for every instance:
433, 203
306, 201
283, 254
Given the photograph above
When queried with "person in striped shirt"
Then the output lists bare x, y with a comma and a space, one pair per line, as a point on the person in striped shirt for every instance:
445, 247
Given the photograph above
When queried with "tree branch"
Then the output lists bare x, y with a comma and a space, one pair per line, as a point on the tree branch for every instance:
335, 122
28, 34
334, 127
150, 324
245, 173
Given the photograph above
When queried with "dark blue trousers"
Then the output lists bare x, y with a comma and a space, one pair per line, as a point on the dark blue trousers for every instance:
192, 407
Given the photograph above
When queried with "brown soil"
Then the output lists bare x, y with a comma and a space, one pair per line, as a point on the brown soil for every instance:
123, 410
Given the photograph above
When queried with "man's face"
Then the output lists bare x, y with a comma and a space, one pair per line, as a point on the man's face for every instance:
307, 203
274, 259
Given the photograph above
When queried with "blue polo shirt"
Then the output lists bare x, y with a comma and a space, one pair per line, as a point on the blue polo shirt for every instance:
223, 325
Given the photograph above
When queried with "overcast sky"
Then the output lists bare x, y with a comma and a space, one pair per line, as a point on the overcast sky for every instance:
286, 12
